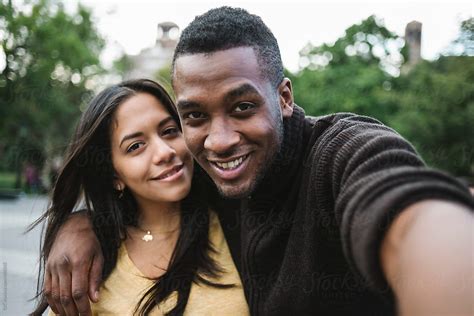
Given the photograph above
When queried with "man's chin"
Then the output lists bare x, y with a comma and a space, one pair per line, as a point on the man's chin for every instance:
239, 191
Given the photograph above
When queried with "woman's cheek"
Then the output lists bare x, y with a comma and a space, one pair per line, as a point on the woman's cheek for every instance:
133, 168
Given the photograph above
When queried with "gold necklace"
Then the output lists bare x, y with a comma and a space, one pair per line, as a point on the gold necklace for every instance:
148, 235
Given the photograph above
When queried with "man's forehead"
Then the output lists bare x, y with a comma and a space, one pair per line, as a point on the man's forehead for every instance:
233, 60
222, 52
225, 96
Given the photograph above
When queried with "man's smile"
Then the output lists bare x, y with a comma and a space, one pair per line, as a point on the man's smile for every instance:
229, 169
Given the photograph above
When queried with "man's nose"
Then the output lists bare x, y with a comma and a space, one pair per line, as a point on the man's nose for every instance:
221, 137
162, 152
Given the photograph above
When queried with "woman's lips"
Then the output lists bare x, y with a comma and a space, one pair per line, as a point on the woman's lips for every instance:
171, 174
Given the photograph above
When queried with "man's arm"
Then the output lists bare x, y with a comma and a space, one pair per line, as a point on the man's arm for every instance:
73, 268
378, 181
427, 258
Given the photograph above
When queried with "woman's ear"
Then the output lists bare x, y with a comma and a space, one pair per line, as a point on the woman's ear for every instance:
119, 185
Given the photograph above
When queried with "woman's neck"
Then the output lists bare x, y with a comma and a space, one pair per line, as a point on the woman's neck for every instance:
159, 217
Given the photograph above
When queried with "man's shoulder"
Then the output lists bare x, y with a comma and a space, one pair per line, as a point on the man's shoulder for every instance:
328, 134
326, 127
340, 118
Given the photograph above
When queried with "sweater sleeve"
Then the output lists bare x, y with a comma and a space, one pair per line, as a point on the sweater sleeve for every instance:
374, 174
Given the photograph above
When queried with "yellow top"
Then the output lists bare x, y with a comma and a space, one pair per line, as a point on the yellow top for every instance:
124, 287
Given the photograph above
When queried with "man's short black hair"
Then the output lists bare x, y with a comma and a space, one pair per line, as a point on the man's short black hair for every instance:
224, 28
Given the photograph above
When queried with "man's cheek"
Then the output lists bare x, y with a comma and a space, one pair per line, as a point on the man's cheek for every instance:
192, 144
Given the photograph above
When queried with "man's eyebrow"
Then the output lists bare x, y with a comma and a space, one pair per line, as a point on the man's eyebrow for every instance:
239, 91
130, 136
186, 105
229, 96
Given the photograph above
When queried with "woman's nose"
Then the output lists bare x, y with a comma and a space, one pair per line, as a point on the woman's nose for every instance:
163, 152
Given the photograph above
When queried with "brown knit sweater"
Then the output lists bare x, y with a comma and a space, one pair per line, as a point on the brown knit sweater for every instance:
307, 241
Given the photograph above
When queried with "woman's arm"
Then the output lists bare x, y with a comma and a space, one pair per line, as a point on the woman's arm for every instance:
73, 267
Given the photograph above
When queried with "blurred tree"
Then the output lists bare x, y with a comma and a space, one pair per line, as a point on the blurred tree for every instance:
163, 76
436, 106
436, 112
50, 59
432, 105
122, 65
352, 74
368, 42
464, 44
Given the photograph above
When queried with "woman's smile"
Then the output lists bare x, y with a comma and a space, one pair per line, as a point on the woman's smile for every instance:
149, 155
170, 174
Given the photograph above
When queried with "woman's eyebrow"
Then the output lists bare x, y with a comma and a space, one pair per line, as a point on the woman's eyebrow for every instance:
137, 134
130, 136
165, 121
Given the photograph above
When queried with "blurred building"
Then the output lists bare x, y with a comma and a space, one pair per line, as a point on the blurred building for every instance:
413, 40
150, 60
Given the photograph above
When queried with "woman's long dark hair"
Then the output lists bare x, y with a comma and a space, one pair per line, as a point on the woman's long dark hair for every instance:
88, 173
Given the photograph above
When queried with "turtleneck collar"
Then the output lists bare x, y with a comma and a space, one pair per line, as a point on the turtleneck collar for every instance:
287, 160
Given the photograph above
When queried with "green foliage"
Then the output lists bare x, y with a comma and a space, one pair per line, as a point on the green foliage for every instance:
367, 43
7, 180
436, 112
350, 88
122, 65
464, 44
432, 105
163, 76
50, 56
352, 74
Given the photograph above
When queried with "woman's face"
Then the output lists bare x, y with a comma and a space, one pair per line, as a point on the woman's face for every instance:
149, 155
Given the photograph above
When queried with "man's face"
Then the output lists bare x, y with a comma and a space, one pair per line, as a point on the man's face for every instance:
231, 116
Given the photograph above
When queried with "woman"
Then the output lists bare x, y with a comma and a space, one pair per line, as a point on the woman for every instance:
164, 252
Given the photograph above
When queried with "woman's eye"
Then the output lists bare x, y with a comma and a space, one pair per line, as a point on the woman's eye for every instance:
171, 131
244, 107
134, 147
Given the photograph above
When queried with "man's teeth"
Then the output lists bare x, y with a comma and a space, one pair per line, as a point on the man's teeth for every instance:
231, 164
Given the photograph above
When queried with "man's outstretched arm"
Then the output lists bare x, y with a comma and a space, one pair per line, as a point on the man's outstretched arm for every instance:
405, 228
427, 258
73, 268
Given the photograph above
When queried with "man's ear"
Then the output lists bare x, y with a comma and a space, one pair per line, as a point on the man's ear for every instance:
285, 95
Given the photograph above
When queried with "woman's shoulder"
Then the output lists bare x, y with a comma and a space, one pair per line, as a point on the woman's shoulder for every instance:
123, 288
216, 235
208, 300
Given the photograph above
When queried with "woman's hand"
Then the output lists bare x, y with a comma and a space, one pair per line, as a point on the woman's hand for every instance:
73, 268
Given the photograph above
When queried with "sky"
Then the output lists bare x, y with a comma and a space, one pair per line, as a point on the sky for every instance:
131, 26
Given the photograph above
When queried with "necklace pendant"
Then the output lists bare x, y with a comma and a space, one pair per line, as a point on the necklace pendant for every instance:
147, 237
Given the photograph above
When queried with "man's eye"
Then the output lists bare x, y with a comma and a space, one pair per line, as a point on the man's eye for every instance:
244, 107
194, 115
134, 147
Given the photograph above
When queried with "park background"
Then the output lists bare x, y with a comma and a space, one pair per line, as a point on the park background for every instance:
340, 56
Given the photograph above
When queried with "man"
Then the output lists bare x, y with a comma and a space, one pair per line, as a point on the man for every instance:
329, 215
